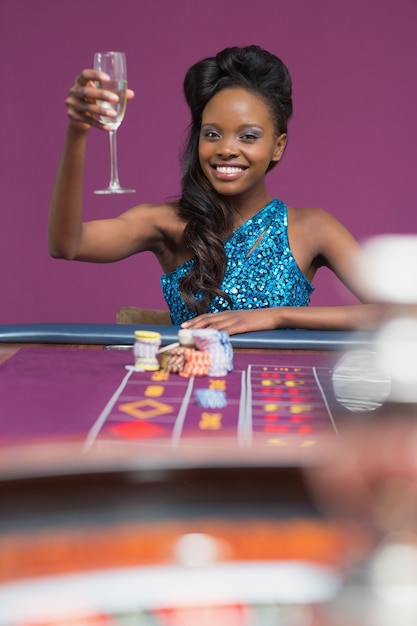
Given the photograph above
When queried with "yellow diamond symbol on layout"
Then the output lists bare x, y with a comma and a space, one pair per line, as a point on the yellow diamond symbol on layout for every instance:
145, 409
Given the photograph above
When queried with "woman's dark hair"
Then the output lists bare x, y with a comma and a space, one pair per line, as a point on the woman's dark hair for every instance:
208, 215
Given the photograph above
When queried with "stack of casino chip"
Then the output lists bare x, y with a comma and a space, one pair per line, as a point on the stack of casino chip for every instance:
174, 360
197, 363
203, 352
208, 340
145, 350
227, 347
185, 337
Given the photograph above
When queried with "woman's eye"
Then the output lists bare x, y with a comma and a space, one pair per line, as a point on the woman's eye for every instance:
211, 134
249, 137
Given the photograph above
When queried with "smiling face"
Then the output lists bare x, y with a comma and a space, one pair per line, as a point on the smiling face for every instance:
238, 141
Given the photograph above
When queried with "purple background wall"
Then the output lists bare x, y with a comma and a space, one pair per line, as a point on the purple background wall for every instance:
352, 147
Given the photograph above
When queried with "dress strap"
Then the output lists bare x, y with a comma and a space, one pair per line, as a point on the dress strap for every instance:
246, 236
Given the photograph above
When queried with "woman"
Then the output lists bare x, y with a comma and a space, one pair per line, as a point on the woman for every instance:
234, 258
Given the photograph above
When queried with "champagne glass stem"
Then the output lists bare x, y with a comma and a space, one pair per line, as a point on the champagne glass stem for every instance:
114, 184
113, 64
114, 174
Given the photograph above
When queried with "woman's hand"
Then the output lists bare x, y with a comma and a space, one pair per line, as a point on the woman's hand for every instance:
235, 321
81, 103
352, 317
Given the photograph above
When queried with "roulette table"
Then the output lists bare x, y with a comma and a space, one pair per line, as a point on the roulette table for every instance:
125, 502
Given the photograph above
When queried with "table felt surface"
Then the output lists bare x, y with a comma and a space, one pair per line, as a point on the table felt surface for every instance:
274, 401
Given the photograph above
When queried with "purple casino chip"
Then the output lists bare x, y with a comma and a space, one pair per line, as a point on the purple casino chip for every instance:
210, 398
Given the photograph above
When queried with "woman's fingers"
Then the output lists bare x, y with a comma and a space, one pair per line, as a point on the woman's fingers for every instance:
86, 97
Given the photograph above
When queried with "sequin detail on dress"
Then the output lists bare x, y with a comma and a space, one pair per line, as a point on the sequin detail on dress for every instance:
261, 270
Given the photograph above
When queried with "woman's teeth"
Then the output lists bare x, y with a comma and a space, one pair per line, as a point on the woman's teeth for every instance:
228, 169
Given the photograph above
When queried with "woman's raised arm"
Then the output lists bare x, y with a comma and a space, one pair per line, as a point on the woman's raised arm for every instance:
99, 240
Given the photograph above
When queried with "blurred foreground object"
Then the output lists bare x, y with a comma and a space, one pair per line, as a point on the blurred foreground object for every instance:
371, 475
388, 268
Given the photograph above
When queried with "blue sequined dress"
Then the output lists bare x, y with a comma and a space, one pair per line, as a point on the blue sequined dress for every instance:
261, 271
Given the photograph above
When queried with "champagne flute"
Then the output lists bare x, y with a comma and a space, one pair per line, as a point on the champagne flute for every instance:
113, 64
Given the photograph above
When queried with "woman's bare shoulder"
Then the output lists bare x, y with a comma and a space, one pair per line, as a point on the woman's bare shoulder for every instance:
318, 238
158, 210
163, 217
316, 224
309, 216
